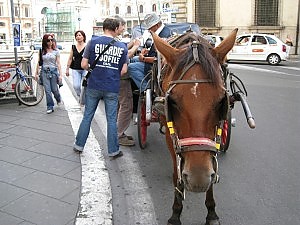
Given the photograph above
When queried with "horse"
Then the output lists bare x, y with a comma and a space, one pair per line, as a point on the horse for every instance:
195, 101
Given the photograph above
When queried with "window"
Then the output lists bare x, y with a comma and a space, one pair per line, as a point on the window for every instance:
1, 10
271, 41
17, 11
117, 10
258, 40
26, 11
266, 13
154, 8
128, 9
141, 9
205, 13
27, 25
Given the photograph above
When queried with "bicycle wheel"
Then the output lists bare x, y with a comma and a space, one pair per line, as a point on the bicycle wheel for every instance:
142, 124
28, 91
226, 132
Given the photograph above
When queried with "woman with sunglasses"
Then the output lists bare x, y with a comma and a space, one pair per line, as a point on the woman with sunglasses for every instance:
50, 71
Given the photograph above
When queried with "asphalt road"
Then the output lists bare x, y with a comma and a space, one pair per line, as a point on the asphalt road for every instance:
259, 173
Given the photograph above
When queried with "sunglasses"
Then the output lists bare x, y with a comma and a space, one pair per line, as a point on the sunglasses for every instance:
48, 40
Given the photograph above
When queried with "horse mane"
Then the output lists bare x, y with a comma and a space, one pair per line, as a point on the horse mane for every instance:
208, 62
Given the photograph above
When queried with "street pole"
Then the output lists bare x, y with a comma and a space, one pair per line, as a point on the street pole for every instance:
12, 11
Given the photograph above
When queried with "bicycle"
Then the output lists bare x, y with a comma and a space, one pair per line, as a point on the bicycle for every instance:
26, 88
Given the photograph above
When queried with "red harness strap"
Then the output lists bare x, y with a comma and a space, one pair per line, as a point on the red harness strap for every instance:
196, 141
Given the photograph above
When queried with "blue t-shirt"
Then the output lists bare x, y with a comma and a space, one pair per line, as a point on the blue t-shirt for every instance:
107, 72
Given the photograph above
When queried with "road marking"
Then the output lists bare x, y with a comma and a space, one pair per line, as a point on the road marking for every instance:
243, 67
96, 197
91, 210
140, 205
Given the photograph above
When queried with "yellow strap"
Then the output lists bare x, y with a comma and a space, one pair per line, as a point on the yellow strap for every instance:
218, 146
170, 126
219, 131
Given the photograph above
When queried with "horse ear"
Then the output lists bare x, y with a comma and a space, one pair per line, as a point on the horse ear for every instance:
226, 45
169, 53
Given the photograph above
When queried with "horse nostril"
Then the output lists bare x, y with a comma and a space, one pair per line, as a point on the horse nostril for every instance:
213, 176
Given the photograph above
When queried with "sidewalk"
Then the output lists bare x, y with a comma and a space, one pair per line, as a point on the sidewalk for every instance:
40, 175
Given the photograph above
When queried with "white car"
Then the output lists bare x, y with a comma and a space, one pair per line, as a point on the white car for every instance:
259, 47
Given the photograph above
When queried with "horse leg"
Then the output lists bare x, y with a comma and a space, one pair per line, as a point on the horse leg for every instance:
212, 217
177, 206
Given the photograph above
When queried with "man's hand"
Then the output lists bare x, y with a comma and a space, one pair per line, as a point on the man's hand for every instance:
144, 51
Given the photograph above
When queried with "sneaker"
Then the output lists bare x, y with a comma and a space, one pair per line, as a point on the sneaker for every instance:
125, 141
117, 156
50, 111
77, 150
129, 137
60, 103
135, 121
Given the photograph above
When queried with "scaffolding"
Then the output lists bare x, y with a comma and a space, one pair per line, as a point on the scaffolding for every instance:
61, 23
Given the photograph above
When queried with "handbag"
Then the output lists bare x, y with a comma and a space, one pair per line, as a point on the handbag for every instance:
84, 80
40, 81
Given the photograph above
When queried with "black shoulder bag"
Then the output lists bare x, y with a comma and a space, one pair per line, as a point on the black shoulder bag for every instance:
40, 81
84, 81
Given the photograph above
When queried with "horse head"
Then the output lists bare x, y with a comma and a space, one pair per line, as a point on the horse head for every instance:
195, 103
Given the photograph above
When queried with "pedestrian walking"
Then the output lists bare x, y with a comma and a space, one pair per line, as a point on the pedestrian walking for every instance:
50, 70
103, 83
74, 61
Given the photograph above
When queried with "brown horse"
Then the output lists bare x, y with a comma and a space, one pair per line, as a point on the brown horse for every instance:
195, 102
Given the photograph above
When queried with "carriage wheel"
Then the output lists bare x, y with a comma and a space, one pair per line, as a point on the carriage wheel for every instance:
226, 132
142, 124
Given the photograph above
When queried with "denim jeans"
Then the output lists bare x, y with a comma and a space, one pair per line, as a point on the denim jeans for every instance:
77, 77
50, 86
111, 106
136, 70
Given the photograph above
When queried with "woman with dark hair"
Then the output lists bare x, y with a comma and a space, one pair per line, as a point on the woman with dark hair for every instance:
74, 61
50, 69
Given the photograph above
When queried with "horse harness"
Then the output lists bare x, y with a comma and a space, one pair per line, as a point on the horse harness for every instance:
190, 143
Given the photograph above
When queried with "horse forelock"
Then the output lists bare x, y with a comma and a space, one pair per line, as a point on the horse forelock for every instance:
207, 61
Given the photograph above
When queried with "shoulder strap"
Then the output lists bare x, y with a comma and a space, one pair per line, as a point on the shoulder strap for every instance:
98, 57
101, 53
40, 58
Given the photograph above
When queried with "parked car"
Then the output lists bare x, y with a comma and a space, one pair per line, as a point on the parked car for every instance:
36, 44
259, 47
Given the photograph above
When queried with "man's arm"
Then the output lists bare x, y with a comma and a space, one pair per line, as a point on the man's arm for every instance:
85, 63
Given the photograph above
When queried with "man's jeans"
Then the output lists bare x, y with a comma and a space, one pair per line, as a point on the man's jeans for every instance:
77, 77
136, 70
111, 105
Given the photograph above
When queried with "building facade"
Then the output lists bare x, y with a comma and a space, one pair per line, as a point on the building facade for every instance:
279, 17
22, 14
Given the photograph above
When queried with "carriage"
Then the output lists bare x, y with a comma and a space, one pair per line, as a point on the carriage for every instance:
148, 103
191, 93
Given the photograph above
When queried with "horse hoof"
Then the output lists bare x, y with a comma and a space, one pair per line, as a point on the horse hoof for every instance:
213, 222
174, 222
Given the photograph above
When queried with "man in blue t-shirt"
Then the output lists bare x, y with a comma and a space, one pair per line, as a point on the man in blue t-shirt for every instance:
103, 83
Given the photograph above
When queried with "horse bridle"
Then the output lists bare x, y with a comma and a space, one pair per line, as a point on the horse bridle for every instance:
190, 143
